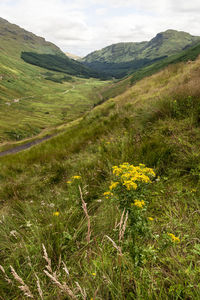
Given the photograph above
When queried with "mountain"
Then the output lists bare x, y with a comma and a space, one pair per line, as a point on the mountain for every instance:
17, 42
72, 56
120, 59
14, 40
32, 98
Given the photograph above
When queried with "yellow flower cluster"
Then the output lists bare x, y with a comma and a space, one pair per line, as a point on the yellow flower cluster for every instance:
73, 178
174, 238
108, 194
130, 174
113, 185
138, 203
150, 218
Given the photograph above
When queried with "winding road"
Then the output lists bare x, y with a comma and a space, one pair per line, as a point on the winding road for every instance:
25, 146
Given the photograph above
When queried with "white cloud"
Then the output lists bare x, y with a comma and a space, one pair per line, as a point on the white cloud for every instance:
81, 26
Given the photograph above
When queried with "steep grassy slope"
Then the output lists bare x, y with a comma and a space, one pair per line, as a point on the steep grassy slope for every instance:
156, 122
120, 59
32, 99
120, 86
14, 40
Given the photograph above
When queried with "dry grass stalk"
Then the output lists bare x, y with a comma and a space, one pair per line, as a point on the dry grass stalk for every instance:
116, 224
39, 287
48, 260
83, 292
63, 287
5, 275
24, 288
122, 225
84, 206
65, 268
115, 245
95, 294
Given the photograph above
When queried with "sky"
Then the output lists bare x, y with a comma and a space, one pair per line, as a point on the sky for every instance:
82, 26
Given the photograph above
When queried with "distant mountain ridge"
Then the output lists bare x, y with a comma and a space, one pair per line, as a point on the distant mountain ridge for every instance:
73, 56
121, 58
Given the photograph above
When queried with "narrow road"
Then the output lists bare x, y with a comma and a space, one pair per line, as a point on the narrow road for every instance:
25, 146
39, 140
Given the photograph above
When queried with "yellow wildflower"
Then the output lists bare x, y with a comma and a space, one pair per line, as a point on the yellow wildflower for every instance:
174, 238
113, 185
69, 181
130, 185
94, 274
107, 194
139, 203
150, 218
117, 171
76, 177
56, 213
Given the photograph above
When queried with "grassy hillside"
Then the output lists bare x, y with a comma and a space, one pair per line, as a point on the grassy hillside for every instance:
33, 99
15, 39
185, 56
120, 59
119, 86
95, 251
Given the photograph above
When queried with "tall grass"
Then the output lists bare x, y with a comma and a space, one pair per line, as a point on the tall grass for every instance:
88, 251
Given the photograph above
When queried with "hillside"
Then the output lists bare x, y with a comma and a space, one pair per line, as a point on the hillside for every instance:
15, 39
17, 42
33, 99
120, 59
120, 86
138, 236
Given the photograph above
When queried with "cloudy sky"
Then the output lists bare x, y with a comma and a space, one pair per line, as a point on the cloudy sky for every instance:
82, 26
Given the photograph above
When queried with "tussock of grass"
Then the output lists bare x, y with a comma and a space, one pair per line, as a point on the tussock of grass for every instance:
156, 122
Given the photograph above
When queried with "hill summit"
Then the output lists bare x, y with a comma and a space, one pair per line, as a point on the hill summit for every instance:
121, 58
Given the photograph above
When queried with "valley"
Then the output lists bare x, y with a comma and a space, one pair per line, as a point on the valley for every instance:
99, 177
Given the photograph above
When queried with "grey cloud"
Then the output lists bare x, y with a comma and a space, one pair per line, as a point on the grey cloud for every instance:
68, 24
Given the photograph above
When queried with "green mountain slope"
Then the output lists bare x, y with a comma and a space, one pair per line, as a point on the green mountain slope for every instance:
73, 251
15, 39
122, 85
120, 59
33, 99
18, 42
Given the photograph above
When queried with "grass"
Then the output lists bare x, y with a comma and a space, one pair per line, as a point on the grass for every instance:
155, 122
30, 103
